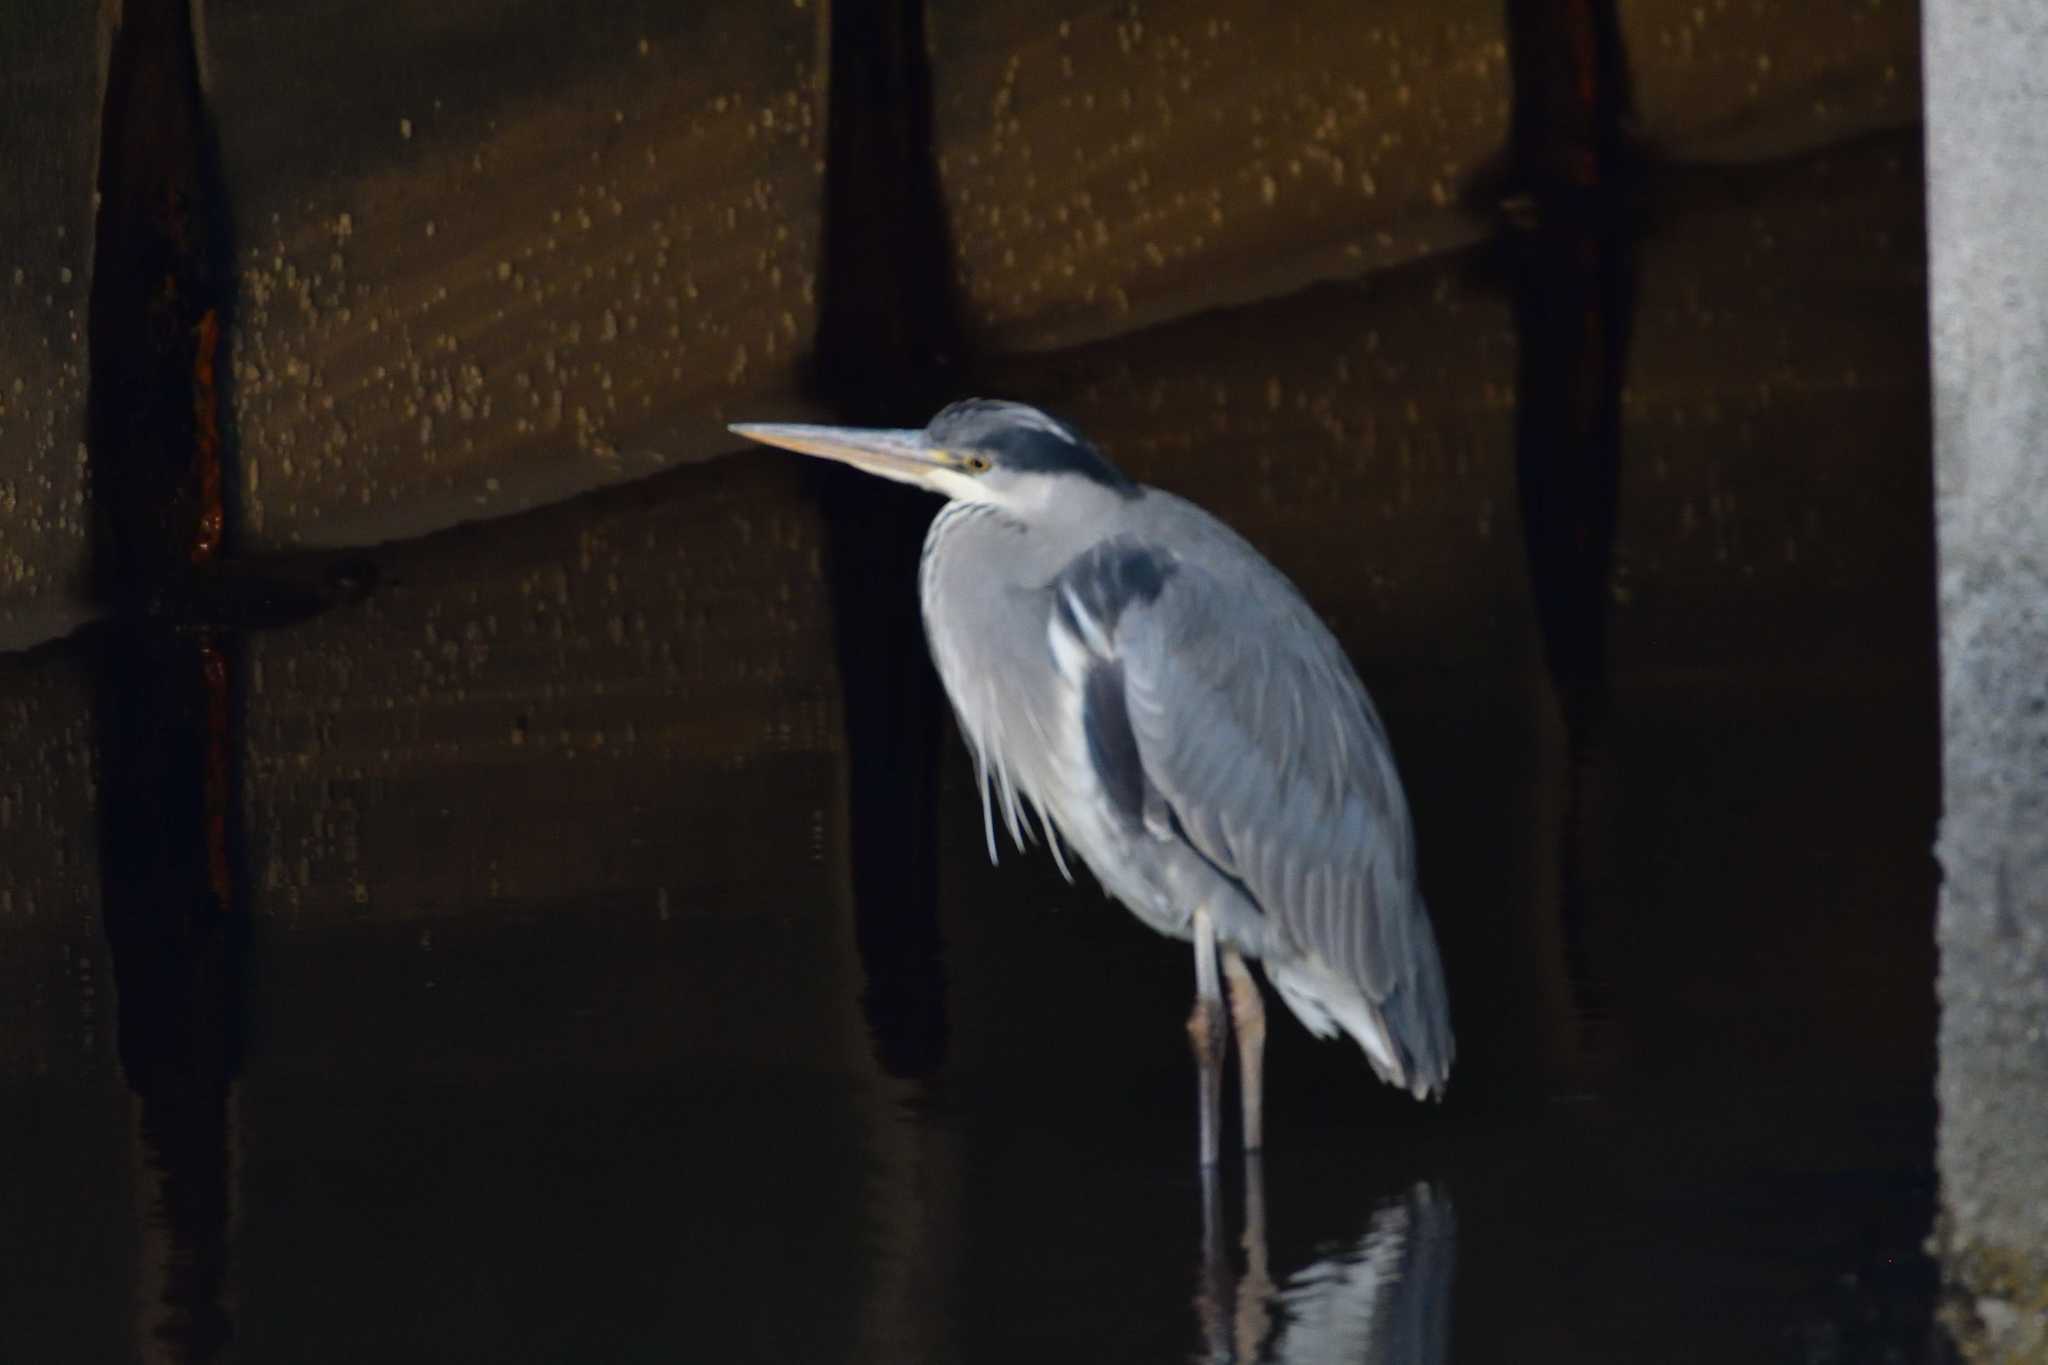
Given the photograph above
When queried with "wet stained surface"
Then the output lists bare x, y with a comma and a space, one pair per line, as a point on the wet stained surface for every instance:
569, 937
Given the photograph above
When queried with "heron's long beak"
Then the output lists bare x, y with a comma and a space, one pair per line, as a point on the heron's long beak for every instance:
905, 456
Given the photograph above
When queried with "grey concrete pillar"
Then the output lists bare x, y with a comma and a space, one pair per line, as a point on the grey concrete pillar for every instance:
1987, 172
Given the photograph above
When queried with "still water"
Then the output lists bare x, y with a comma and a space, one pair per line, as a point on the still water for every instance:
547, 1036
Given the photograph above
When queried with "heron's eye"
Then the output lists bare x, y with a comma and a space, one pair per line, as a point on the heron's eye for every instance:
976, 464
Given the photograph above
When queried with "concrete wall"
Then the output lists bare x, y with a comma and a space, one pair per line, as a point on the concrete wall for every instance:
541, 251
1987, 140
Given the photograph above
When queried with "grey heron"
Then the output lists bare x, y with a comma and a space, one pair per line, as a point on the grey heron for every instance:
1132, 672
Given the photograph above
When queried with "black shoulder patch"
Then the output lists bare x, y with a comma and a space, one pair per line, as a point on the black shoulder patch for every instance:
1101, 585
1112, 745
1114, 577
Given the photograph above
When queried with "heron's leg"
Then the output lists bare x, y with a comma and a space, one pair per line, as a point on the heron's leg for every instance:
1248, 1012
1205, 1030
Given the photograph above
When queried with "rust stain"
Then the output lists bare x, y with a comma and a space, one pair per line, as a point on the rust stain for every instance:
206, 444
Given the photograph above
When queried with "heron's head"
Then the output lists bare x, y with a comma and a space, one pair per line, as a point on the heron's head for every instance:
1004, 454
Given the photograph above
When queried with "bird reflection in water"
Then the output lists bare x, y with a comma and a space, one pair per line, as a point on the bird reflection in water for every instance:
1384, 1299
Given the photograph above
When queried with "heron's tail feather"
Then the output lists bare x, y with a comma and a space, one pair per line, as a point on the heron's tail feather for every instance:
1406, 1037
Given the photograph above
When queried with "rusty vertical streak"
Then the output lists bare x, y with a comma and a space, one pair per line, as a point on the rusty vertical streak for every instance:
208, 459
887, 354
166, 725
1573, 269
159, 467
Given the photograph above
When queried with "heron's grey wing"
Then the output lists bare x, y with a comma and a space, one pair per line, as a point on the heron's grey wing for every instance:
1218, 699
